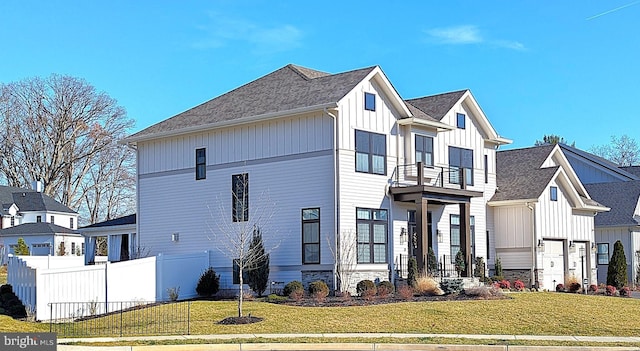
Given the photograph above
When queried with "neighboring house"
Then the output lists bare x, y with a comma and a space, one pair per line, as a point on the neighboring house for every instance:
43, 223
621, 223
328, 158
120, 235
543, 218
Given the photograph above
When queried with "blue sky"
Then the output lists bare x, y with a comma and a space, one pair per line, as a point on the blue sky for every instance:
535, 67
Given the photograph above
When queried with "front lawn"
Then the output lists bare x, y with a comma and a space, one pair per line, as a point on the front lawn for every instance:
526, 313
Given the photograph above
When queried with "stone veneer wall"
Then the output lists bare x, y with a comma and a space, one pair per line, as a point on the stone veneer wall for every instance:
311, 276
523, 274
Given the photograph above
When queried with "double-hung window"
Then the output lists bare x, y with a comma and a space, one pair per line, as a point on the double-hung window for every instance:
460, 160
310, 235
553, 193
201, 164
371, 152
424, 150
372, 235
603, 253
240, 197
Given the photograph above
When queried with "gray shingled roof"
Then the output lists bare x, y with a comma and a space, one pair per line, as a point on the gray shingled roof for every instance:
416, 112
519, 175
437, 106
40, 228
29, 200
288, 88
635, 170
124, 220
621, 197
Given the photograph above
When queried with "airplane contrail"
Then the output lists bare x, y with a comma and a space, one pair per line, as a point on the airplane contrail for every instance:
612, 10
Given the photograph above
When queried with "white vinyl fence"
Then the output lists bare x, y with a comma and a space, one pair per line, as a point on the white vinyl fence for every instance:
39, 281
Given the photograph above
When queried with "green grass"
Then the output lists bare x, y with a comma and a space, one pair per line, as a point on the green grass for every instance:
525, 313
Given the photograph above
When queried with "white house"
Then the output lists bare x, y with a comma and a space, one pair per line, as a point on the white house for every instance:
120, 235
40, 220
330, 158
544, 218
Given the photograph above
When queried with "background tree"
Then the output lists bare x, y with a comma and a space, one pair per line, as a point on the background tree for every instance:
617, 270
62, 249
623, 151
234, 229
553, 139
60, 130
21, 248
258, 272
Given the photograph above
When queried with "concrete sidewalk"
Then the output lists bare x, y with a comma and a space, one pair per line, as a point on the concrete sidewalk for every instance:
337, 345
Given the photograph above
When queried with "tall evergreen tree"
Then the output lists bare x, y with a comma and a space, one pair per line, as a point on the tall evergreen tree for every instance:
432, 262
258, 271
617, 271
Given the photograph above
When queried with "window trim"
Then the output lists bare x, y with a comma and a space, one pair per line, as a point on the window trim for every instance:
371, 243
201, 163
461, 120
369, 98
235, 202
305, 244
426, 141
452, 174
369, 152
599, 253
553, 193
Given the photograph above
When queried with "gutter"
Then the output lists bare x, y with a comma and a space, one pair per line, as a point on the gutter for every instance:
233, 122
336, 192
534, 247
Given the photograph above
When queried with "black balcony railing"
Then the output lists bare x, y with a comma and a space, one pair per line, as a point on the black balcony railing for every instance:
436, 176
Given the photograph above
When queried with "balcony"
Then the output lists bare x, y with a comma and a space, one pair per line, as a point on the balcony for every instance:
443, 184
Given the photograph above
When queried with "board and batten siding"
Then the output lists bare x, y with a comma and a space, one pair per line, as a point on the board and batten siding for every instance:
589, 174
274, 138
630, 242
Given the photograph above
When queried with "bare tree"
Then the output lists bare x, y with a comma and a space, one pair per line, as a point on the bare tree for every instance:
345, 258
623, 151
56, 130
235, 229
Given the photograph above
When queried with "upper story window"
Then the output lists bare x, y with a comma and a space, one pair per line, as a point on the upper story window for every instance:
460, 120
372, 235
553, 193
201, 163
486, 169
52, 219
369, 102
13, 221
460, 162
371, 152
240, 197
424, 150
603, 253
310, 235
38, 219
71, 223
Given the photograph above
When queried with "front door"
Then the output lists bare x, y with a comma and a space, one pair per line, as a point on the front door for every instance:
413, 236
553, 264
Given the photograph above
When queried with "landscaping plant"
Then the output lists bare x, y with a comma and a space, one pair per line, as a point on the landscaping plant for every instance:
209, 283
258, 270
617, 270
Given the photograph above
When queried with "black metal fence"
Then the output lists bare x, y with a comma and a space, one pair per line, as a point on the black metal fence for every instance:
124, 318
444, 267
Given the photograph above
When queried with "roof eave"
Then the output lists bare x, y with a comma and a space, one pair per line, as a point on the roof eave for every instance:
411, 121
233, 122
511, 202
500, 140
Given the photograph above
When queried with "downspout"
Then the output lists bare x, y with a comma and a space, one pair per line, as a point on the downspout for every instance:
135, 148
336, 179
534, 248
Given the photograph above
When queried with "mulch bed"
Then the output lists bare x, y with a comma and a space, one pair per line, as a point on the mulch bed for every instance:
240, 320
332, 301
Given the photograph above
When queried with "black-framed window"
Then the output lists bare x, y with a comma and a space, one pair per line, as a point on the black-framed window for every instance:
236, 272
372, 235
52, 218
454, 236
472, 229
201, 163
488, 246
486, 169
369, 101
240, 197
73, 249
38, 219
460, 120
603, 253
553, 193
310, 235
71, 223
460, 159
13, 221
424, 150
371, 152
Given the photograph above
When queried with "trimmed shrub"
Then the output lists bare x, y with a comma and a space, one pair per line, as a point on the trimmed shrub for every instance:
10, 305
610, 290
405, 292
574, 287
617, 271
366, 285
412, 274
504, 284
258, 271
432, 262
273, 298
460, 264
560, 287
297, 295
385, 288
209, 283
427, 286
518, 285
291, 287
319, 290
498, 269
625, 292
484, 292
451, 286
480, 269
593, 288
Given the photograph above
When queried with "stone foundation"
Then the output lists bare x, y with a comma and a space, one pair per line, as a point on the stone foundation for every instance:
309, 277
523, 274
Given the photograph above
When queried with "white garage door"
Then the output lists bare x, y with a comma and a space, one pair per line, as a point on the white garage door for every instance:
40, 249
553, 264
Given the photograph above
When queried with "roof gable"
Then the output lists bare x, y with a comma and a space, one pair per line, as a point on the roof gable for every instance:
602, 164
28, 200
290, 88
